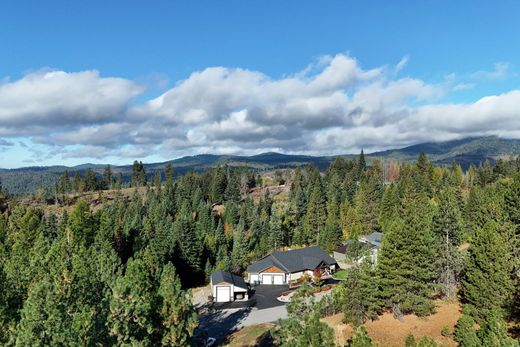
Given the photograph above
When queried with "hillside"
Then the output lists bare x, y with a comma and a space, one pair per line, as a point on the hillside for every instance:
465, 152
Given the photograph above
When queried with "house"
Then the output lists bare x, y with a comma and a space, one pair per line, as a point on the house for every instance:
367, 246
226, 287
283, 267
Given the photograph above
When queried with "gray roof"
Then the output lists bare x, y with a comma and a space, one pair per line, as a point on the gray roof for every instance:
349, 247
294, 260
223, 276
374, 238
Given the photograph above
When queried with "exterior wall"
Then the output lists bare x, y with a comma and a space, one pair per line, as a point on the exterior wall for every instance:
295, 275
338, 256
253, 278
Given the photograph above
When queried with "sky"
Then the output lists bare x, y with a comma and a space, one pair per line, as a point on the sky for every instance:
115, 81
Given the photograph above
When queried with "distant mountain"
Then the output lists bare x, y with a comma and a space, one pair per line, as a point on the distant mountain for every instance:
464, 152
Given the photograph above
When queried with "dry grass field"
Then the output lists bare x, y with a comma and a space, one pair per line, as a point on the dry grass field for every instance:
390, 332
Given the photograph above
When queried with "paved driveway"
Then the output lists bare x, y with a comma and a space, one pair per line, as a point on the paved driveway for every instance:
263, 307
265, 295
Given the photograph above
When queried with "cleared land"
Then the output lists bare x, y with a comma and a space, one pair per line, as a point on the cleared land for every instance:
388, 331
250, 336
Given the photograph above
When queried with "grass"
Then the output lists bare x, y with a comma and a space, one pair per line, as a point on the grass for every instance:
249, 336
390, 332
340, 275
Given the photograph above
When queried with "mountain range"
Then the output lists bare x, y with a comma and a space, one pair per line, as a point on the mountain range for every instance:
464, 152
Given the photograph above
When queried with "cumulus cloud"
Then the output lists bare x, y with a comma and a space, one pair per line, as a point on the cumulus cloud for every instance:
46, 99
333, 106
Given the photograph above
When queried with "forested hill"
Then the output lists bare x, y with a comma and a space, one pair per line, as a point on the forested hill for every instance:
464, 152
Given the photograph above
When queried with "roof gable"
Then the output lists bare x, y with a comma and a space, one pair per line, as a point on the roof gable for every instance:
293, 260
220, 277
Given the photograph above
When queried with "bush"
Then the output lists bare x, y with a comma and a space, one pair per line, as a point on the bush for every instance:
445, 331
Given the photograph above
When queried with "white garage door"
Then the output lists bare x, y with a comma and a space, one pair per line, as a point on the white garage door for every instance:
254, 278
278, 279
267, 279
223, 294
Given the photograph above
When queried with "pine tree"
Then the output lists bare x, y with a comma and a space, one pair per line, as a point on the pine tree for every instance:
487, 282
190, 245
493, 331
316, 215
361, 166
219, 185
107, 177
358, 294
360, 338
178, 316
134, 305
303, 327
138, 174
406, 260
239, 252
465, 333
389, 207
448, 229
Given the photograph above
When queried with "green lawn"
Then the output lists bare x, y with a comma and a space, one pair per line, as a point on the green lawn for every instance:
340, 275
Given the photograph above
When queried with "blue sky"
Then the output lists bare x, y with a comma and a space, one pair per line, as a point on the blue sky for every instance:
444, 56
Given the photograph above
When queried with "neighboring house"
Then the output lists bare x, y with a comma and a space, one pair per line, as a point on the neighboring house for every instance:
367, 246
283, 267
226, 287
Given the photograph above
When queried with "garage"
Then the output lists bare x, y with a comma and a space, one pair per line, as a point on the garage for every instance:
227, 287
223, 294
278, 279
273, 279
267, 279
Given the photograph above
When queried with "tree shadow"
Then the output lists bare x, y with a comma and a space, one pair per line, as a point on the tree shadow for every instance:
219, 324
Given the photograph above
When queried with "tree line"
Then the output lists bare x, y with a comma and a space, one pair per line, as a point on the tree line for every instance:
121, 275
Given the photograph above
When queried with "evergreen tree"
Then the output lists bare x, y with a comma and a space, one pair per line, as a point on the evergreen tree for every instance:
239, 253
219, 185
493, 331
303, 327
487, 282
465, 333
178, 316
190, 245
406, 260
107, 177
134, 306
315, 217
138, 174
91, 183
448, 228
361, 166
358, 294
360, 338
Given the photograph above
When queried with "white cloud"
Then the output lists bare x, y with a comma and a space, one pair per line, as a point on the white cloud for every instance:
501, 71
333, 106
58, 98
402, 63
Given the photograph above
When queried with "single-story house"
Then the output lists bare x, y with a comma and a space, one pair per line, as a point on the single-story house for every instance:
226, 287
283, 267
367, 246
